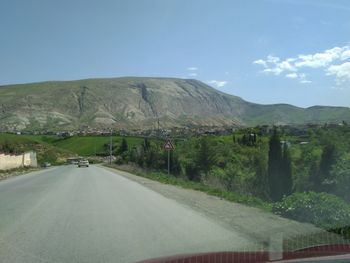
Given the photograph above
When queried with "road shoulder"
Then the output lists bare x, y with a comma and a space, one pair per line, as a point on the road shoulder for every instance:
250, 221
16, 172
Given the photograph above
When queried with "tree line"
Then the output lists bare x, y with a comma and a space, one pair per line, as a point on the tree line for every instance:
262, 165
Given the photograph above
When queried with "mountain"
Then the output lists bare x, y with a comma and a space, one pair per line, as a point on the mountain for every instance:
142, 103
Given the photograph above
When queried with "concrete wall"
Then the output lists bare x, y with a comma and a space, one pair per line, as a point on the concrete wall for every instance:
15, 161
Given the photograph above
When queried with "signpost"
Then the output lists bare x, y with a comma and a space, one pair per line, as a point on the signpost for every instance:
110, 148
168, 146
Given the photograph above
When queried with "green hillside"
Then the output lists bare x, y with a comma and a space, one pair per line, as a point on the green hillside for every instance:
42, 145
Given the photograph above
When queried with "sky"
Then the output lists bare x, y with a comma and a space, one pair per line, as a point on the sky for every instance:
265, 51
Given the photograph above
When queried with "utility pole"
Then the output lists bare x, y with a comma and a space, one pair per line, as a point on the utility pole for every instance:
158, 131
110, 149
168, 162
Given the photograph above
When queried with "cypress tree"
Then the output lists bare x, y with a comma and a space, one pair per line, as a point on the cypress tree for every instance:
327, 161
244, 139
146, 145
274, 165
124, 146
286, 171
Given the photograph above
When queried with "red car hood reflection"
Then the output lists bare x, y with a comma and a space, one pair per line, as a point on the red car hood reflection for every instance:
316, 253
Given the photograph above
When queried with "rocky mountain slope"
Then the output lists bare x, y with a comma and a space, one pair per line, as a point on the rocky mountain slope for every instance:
142, 103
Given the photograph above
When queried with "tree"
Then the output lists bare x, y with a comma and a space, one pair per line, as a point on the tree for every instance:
151, 158
124, 146
274, 165
279, 168
254, 138
327, 161
286, 171
260, 182
191, 170
244, 139
146, 144
341, 173
314, 182
203, 155
174, 163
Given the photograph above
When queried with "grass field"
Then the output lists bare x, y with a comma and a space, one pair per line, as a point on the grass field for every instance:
80, 145
92, 145
25, 138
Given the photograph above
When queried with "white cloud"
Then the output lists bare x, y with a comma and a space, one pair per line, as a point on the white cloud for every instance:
305, 81
286, 66
337, 88
292, 75
217, 83
272, 59
193, 74
345, 55
341, 72
322, 59
274, 65
260, 62
293, 66
192, 68
275, 71
302, 78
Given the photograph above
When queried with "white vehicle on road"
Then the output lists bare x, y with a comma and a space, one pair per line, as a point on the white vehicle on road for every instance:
83, 163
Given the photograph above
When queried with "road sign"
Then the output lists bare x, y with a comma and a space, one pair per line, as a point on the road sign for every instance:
168, 145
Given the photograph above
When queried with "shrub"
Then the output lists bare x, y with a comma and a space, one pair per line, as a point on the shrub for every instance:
321, 209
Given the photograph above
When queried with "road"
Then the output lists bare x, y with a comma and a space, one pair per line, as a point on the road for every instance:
70, 214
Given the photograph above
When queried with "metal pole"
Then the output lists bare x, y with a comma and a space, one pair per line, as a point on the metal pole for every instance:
168, 162
110, 149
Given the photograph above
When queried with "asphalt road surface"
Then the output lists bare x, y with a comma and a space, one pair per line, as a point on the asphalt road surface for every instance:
70, 214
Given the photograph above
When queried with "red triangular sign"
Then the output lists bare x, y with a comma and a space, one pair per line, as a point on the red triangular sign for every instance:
168, 145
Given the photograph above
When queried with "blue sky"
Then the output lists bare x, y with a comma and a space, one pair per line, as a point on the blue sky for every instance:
265, 51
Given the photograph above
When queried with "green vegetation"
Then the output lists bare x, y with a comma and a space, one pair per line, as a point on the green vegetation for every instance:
184, 183
93, 145
42, 145
321, 209
279, 168
284, 166
289, 168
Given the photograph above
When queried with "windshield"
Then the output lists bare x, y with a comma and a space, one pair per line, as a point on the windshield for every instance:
135, 130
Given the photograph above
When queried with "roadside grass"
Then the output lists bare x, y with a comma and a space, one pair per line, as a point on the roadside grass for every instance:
4, 174
198, 186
